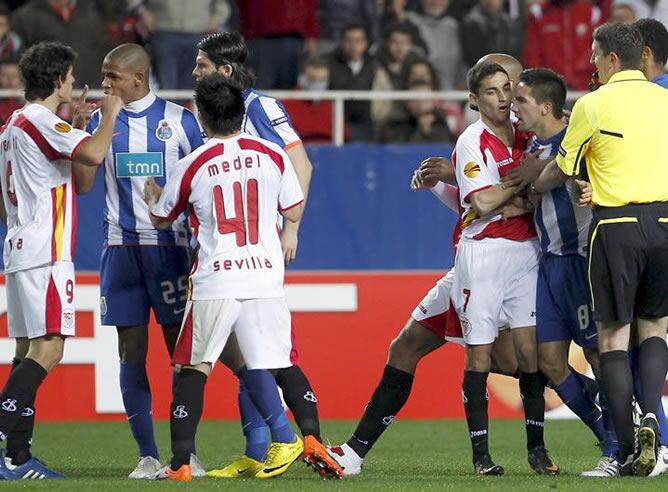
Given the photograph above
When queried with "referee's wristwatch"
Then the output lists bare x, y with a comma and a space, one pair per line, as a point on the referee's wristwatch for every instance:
532, 189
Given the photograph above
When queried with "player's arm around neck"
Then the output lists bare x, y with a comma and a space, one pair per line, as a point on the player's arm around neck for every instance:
93, 151
489, 200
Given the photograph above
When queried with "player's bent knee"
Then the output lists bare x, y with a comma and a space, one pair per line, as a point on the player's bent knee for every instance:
527, 356
47, 351
555, 370
412, 343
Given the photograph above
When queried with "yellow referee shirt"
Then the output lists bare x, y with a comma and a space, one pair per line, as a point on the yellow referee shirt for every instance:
621, 131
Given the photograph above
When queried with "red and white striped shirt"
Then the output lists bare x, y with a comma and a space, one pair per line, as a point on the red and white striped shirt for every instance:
36, 149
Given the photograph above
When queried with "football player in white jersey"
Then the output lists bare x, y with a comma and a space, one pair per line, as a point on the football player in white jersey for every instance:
225, 53
232, 187
496, 265
37, 151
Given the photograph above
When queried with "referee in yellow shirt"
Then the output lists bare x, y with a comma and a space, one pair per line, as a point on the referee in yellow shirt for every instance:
620, 131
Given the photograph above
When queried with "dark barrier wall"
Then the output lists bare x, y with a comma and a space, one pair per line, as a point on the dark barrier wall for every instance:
361, 213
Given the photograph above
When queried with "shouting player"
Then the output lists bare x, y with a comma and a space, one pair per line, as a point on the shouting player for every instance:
563, 304
142, 268
232, 188
37, 149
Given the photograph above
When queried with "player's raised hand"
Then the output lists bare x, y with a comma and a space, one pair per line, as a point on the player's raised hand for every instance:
83, 110
151, 192
584, 193
111, 105
434, 169
525, 173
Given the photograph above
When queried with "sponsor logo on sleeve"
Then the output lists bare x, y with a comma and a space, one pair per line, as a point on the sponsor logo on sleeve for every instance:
62, 127
471, 170
279, 121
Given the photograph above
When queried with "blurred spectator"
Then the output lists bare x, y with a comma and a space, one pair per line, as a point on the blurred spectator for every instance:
441, 34
352, 68
559, 37
660, 11
312, 118
334, 15
425, 123
629, 11
10, 42
396, 12
10, 79
394, 54
419, 69
77, 24
277, 33
488, 29
121, 22
176, 26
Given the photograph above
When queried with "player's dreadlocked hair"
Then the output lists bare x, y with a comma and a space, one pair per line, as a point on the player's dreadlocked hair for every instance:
42, 66
220, 104
228, 48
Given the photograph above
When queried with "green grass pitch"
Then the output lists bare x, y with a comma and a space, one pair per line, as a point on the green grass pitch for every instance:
412, 455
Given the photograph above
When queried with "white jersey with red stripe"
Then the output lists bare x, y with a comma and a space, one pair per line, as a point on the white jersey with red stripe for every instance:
481, 159
36, 149
232, 189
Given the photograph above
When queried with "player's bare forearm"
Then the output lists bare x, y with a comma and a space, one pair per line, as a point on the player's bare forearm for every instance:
489, 200
93, 151
304, 171
84, 177
549, 178
303, 167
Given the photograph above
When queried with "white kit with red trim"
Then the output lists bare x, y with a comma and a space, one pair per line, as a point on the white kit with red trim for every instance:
481, 159
36, 149
232, 188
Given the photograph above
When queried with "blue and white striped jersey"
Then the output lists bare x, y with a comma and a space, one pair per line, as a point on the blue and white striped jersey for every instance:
150, 136
562, 226
267, 118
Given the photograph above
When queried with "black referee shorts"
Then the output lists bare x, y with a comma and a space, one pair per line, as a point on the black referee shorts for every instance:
628, 262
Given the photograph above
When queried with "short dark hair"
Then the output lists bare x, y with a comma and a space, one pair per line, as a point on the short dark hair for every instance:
42, 66
408, 66
546, 86
401, 28
220, 104
355, 26
622, 39
655, 37
478, 72
228, 48
316, 62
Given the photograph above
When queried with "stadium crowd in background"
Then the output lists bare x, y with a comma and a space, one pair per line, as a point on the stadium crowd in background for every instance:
366, 44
